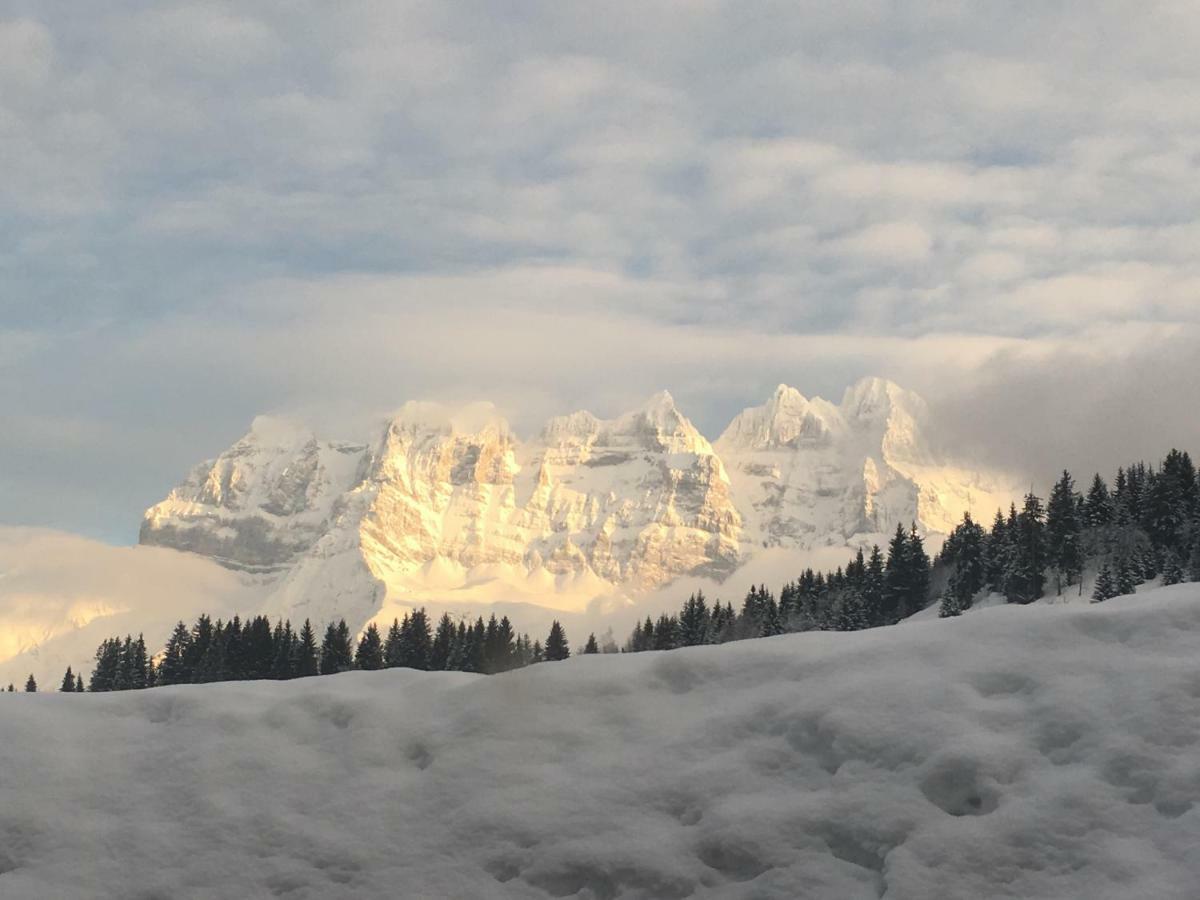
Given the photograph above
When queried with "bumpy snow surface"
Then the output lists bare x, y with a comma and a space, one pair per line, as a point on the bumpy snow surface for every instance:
1048, 751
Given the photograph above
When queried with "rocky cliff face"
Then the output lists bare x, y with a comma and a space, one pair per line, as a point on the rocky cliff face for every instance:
446, 501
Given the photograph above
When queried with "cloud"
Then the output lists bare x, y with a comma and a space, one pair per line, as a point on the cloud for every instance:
215, 210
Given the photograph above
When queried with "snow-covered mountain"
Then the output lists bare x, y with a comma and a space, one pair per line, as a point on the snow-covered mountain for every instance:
452, 501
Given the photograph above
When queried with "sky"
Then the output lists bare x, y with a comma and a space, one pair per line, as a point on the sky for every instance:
215, 210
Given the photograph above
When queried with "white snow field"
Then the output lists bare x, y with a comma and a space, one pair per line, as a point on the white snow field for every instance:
1047, 751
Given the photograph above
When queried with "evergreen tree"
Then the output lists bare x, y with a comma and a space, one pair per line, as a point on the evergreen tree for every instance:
666, 633
1064, 533
330, 656
591, 646
772, 624
896, 579
693, 621
419, 642
108, 663
950, 605
174, 666
393, 645
1098, 506
1128, 577
443, 643
137, 664
557, 647
79, 684
370, 650
31, 685
1172, 570
1025, 578
1106, 585
970, 573
68, 682
873, 584
307, 656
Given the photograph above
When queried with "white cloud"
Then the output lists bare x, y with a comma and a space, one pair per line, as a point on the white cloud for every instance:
213, 210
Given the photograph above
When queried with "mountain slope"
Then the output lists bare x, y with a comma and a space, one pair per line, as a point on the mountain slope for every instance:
1016, 752
446, 501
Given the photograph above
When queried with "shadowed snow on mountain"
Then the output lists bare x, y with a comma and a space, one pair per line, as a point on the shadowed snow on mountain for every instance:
1043, 751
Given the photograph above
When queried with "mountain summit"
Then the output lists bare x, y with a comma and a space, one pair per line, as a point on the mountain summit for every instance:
449, 500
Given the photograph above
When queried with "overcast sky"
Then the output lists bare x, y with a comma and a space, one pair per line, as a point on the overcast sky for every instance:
213, 210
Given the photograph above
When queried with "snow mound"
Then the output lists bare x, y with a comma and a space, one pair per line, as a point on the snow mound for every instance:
1017, 752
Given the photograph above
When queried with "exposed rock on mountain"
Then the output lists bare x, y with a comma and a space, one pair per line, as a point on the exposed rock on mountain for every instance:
452, 501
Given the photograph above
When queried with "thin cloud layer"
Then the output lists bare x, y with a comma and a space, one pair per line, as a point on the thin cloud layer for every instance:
215, 210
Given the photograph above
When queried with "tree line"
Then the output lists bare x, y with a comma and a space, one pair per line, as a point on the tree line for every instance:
871, 590
211, 651
1146, 526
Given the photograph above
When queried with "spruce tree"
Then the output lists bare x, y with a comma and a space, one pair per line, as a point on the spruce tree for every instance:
557, 647
79, 684
369, 655
693, 621
1128, 577
950, 605
31, 685
173, 669
897, 585
68, 682
591, 646
443, 643
1106, 585
307, 655
1172, 570
1026, 575
1064, 533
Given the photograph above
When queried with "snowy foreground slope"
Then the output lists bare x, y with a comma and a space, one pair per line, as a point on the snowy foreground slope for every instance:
1048, 751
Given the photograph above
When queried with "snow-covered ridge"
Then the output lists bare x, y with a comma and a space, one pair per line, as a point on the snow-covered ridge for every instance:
452, 500
1016, 752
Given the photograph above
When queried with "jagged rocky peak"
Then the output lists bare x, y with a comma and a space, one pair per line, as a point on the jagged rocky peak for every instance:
787, 419
452, 496
261, 502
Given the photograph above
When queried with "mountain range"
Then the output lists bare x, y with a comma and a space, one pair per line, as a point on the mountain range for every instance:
451, 503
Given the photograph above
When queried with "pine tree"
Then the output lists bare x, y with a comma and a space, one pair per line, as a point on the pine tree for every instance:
68, 682
557, 647
950, 605
79, 684
897, 585
1127, 578
1106, 585
31, 685
873, 588
1172, 569
771, 622
591, 646
370, 650
1098, 506
666, 633
1026, 575
174, 669
307, 656
108, 663
443, 643
693, 621
330, 659
137, 664
1064, 533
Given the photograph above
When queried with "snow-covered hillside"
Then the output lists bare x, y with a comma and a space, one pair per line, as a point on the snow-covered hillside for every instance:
1021, 752
453, 502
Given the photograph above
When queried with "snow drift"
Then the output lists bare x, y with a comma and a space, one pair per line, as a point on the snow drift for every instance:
1045, 751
